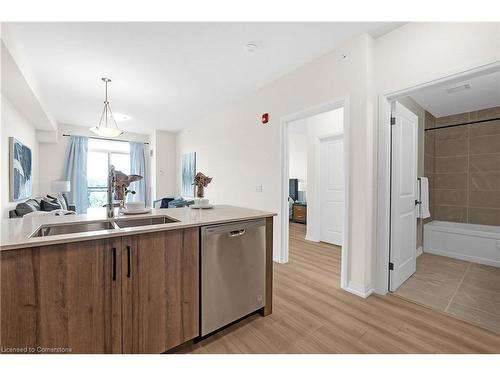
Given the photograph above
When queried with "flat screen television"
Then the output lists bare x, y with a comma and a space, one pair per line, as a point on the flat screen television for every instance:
293, 188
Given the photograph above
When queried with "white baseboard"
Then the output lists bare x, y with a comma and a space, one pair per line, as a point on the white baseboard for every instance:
278, 260
359, 290
467, 258
420, 251
311, 239
310, 236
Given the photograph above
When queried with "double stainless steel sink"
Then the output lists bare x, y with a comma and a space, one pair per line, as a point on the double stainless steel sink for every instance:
119, 223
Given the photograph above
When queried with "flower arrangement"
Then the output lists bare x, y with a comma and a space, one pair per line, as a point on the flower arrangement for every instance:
201, 182
121, 182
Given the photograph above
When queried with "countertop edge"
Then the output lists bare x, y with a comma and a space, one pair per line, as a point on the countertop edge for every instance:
122, 232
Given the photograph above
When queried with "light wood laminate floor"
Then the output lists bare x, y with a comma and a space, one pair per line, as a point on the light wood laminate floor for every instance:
313, 315
467, 290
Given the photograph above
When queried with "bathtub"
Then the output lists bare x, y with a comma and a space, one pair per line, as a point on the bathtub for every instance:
471, 242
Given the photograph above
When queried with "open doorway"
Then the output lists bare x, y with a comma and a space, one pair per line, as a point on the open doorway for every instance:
445, 205
314, 207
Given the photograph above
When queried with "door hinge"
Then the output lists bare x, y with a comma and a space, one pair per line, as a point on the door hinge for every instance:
393, 120
391, 266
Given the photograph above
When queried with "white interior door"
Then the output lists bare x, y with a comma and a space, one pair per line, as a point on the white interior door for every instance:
332, 190
404, 133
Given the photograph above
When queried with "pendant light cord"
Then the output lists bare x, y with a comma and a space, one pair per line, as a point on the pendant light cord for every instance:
107, 107
106, 101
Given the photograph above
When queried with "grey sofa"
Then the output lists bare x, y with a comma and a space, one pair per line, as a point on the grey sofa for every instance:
31, 205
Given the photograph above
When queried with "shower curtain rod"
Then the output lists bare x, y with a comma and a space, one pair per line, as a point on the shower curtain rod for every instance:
464, 123
106, 139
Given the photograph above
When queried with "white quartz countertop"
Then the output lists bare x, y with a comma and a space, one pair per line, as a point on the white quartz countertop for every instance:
16, 233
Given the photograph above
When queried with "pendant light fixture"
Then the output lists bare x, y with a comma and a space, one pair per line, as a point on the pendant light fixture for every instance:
107, 115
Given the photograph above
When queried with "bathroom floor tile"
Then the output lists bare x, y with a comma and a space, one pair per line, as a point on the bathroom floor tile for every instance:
420, 293
488, 274
441, 263
435, 281
473, 295
467, 290
483, 318
440, 284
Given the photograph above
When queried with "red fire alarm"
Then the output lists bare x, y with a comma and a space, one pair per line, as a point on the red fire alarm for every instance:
265, 118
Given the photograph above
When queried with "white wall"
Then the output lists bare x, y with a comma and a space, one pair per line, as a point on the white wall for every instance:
420, 52
13, 124
52, 155
320, 126
297, 151
240, 153
165, 164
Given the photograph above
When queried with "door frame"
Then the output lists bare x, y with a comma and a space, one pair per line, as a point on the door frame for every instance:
342, 102
384, 162
317, 175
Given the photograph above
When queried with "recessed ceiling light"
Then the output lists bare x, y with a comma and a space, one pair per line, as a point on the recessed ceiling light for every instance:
120, 117
461, 87
251, 47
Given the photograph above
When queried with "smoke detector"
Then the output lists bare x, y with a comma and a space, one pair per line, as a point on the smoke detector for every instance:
251, 47
342, 56
461, 87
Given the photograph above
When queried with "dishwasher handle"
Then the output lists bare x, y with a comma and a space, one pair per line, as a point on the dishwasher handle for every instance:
237, 233
232, 229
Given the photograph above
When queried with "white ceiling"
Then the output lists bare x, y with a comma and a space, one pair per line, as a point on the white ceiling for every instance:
166, 75
484, 92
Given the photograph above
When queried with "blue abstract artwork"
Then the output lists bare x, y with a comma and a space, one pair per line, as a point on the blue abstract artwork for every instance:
188, 173
21, 173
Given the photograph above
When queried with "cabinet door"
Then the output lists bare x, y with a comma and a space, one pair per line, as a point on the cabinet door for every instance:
160, 290
62, 298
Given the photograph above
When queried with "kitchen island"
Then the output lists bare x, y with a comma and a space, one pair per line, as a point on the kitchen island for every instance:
87, 284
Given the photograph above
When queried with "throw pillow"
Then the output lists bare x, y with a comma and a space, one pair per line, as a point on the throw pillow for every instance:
48, 204
60, 201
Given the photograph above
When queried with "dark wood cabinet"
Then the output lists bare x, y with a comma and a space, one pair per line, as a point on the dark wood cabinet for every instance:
132, 294
62, 298
160, 290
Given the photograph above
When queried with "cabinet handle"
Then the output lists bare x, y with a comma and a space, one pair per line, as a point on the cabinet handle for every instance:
129, 268
114, 262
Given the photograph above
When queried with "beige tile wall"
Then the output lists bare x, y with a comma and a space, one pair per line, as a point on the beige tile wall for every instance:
483, 114
429, 158
463, 164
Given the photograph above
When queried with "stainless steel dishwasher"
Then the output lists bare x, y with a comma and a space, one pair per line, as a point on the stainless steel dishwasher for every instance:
233, 272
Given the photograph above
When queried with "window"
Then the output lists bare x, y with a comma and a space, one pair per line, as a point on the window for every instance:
101, 155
